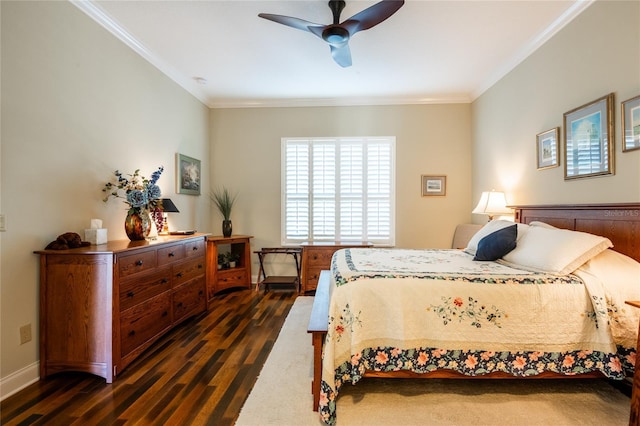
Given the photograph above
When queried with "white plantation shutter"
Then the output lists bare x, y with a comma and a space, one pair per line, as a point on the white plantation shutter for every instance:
296, 164
338, 189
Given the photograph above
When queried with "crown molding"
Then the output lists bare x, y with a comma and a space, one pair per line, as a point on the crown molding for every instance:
101, 17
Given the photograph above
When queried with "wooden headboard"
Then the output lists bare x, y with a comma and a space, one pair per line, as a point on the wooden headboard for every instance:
618, 222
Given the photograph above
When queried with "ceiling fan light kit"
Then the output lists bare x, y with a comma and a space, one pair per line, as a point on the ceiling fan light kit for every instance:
337, 34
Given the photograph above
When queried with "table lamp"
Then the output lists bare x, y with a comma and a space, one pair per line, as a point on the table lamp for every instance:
492, 203
167, 207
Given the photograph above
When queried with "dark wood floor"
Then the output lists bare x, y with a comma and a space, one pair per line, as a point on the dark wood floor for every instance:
199, 374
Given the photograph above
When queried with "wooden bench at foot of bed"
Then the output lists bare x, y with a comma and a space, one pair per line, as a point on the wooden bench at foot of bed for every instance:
318, 323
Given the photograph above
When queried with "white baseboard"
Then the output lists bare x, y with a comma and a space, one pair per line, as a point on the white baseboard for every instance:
19, 380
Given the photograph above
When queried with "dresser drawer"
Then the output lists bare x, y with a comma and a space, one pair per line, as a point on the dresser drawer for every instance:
188, 270
231, 278
320, 257
311, 279
194, 248
189, 299
138, 289
170, 254
144, 321
137, 262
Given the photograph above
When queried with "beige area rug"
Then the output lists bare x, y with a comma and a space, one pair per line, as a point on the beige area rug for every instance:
282, 395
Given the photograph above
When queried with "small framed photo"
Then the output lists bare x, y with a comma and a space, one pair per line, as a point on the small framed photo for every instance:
631, 124
548, 154
188, 175
433, 185
588, 139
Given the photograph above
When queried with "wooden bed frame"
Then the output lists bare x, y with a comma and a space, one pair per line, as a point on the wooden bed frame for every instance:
618, 222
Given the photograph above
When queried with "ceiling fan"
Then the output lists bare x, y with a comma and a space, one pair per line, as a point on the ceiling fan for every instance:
338, 34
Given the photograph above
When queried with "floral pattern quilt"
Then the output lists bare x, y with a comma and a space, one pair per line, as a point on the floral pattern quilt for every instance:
426, 310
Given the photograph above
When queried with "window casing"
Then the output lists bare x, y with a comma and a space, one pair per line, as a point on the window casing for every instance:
338, 189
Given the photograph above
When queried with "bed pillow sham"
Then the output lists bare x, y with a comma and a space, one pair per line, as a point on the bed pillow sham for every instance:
489, 228
542, 224
558, 251
497, 244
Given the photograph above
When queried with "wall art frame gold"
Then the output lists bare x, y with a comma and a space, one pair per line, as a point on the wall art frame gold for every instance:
630, 124
589, 139
548, 148
434, 185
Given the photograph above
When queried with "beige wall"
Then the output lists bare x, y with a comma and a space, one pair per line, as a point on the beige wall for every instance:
77, 104
596, 54
430, 139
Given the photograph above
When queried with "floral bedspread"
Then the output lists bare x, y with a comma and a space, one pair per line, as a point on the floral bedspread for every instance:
426, 310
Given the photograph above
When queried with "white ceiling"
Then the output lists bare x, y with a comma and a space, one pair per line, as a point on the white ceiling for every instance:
427, 52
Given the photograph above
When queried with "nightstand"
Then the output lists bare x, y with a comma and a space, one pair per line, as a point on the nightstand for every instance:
316, 257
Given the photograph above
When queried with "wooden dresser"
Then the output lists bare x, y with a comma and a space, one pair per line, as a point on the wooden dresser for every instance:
316, 256
102, 306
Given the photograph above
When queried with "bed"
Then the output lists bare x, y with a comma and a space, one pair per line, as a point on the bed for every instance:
545, 297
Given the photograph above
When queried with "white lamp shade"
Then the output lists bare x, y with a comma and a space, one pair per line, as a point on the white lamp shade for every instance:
492, 203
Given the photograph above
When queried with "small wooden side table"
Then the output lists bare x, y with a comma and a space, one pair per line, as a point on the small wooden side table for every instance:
294, 280
634, 415
222, 279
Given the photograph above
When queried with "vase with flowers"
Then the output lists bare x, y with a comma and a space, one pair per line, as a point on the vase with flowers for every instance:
143, 196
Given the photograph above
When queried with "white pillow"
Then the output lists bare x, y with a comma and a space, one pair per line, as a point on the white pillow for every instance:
559, 251
489, 228
542, 224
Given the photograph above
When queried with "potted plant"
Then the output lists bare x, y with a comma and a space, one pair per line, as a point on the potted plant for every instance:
221, 258
232, 258
224, 202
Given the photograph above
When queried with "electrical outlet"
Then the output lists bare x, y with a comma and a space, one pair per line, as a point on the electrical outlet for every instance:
25, 334
3, 222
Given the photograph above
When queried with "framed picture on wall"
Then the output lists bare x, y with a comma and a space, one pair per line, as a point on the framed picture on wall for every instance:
188, 174
433, 185
631, 124
588, 139
547, 144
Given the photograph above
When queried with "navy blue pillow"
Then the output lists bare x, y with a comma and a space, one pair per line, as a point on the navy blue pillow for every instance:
497, 244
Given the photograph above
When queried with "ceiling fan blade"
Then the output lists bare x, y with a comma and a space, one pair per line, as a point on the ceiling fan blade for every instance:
372, 16
289, 21
342, 55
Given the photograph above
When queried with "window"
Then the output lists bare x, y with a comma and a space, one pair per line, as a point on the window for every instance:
338, 189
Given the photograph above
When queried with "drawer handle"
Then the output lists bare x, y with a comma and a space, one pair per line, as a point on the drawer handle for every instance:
199, 266
200, 293
165, 313
164, 281
195, 249
179, 274
172, 254
132, 332
180, 305
139, 263
130, 294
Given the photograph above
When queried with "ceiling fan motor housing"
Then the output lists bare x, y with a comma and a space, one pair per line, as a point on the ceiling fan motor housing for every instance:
335, 35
